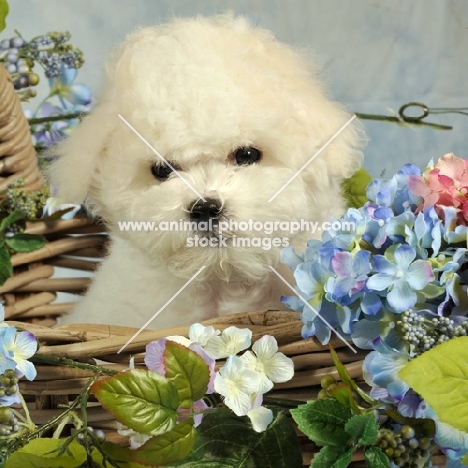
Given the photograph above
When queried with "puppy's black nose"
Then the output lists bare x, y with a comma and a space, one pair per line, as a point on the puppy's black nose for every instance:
205, 210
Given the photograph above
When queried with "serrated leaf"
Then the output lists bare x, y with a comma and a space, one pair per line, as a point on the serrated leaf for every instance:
332, 457
167, 448
363, 428
6, 268
375, 458
3, 14
343, 394
45, 453
12, 218
323, 421
142, 400
346, 378
225, 440
440, 376
26, 242
187, 371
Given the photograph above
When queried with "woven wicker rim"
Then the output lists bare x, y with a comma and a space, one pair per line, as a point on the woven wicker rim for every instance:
17, 155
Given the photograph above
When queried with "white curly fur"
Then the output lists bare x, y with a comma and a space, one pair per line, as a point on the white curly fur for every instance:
197, 89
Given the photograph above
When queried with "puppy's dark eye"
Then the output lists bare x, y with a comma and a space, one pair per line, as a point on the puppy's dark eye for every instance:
247, 155
162, 171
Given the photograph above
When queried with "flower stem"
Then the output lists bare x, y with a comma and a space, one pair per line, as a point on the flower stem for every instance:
61, 361
56, 118
282, 402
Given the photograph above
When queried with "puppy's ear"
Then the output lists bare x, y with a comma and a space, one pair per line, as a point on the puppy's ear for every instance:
73, 173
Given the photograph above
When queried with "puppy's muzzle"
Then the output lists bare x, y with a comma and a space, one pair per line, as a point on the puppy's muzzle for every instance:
208, 211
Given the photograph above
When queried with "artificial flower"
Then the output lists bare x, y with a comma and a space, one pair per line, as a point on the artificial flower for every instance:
445, 184
260, 418
381, 367
154, 356
402, 277
237, 383
49, 133
53, 205
136, 438
77, 94
201, 334
272, 367
15, 350
452, 441
231, 341
351, 272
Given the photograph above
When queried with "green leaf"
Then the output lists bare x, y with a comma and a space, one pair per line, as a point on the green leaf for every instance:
323, 421
12, 218
142, 400
187, 371
363, 428
354, 188
45, 453
375, 458
3, 14
169, 447
225, 440
440, 376
26, 242
346, 378
6, 268
332, 457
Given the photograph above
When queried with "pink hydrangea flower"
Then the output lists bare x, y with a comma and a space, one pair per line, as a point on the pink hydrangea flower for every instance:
445, 184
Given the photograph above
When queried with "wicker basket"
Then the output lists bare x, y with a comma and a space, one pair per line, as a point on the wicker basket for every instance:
79, 244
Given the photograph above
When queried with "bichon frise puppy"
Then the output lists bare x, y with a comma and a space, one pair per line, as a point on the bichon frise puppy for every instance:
216, 136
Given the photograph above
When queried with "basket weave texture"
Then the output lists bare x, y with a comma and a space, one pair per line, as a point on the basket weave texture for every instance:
79, 244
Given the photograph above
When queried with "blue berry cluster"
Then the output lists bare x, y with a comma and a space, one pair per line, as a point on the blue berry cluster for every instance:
51, 51
423, 333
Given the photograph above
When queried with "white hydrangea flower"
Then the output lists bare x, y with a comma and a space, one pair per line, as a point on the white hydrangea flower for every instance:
136, 438
260, 418
201, 334
232, 341
272, 367
52, 205
237, 384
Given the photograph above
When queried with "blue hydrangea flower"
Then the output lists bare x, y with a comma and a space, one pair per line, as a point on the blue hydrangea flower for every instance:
381, 368
351, 273
311, 279
382, 192
77, 94
15, 350
404, 198
426, 233
452, 441
401, 277
370, 327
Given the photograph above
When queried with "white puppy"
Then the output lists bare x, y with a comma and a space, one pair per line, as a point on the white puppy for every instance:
237, 115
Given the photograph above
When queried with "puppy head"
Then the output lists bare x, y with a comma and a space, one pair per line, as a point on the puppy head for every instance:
238, 115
